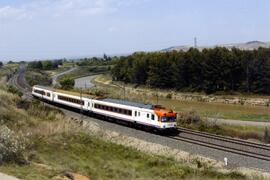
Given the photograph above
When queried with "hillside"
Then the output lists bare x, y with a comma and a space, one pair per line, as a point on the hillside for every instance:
251, 45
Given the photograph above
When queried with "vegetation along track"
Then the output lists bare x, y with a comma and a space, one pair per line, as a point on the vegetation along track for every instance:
226, 144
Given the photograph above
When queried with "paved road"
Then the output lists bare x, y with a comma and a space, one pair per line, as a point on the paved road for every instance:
55, 77
84, 82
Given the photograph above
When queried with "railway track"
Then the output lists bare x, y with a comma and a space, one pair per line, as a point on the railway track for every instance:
226, 144
220, 146
18, 81
226, 139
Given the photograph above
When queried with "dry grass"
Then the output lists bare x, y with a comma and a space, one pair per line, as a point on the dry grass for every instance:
193, 120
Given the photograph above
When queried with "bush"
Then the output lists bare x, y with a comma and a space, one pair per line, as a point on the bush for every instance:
266, 135
98, 93
12, 146
14, 90
169, 96
189, 117
38, 77
67, 83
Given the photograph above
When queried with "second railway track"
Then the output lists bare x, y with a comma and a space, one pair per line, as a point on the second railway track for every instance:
219, 146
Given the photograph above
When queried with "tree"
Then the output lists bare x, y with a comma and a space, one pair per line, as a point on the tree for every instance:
47, 65
209, 70
35, 65
1, 64
67, 83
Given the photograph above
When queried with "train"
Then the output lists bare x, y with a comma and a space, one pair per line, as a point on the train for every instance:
147, 115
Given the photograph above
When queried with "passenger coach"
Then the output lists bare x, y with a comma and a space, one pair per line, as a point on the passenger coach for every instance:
153, 116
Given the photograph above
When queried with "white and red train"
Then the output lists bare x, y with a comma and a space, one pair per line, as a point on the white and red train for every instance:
144, 114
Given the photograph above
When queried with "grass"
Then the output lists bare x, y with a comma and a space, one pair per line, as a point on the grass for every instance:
98, 159
64, 67
7, 69
34, 77
58, 145
236, 131
193, 120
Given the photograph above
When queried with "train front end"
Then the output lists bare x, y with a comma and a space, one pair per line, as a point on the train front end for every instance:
166, 117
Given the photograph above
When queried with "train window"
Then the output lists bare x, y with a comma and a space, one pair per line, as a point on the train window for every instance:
113, 109
147, 115
139, 114
135, 113
39, 92
49, 94
153, 117
63, 98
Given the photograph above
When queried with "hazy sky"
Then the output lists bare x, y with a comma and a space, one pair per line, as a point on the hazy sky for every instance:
38, 29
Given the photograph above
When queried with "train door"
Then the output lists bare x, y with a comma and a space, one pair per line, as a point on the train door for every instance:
89, 105
137, 115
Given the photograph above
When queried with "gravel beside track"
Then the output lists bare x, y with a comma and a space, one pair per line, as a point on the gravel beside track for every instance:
185, 144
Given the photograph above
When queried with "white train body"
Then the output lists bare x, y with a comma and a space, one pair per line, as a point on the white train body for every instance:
144, 114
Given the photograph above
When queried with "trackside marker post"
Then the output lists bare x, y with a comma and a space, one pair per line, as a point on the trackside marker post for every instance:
226, 161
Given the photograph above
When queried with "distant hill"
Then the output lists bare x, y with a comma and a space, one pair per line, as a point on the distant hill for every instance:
244, 46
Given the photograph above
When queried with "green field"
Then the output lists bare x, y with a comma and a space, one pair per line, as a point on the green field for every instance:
214, 110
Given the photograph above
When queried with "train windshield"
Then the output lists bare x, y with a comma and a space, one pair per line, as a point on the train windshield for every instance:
168, 118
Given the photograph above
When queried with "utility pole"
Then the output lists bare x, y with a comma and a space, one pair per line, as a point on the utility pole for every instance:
157, 96
124, 91
195, 42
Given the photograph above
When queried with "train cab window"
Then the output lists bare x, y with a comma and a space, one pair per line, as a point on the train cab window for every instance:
153, 117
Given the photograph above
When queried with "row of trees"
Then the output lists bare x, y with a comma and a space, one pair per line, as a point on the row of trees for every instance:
45, 65
95, 61
209, 70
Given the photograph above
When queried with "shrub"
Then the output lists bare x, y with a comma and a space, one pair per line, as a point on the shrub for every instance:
67, 83
266, 135
189, 117
14, 90
169, 96
12, 146
38, 77
98, 92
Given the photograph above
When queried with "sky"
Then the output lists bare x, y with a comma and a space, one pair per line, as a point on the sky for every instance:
49, 29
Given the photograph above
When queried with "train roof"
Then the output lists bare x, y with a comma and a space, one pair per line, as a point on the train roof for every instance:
116, 101
44, 87
128, 103
63, 91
